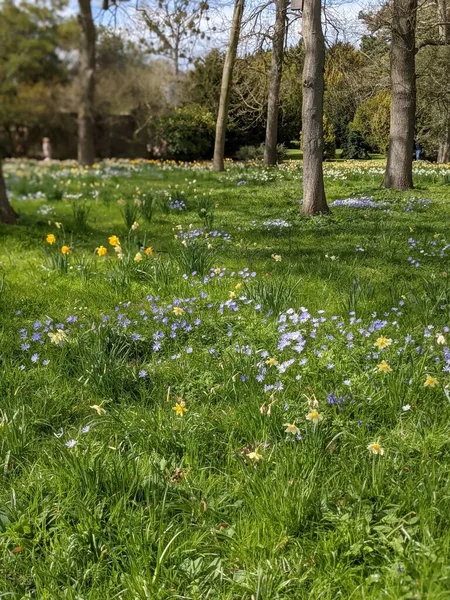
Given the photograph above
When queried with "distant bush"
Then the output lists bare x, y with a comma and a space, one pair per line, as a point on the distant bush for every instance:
329, 140
372, 120
355, 146
247, 153
186, 133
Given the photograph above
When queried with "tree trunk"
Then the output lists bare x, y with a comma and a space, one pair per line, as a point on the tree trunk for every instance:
444, 147
443, 18
225, 90
276, 69
314, 201
86, 151
398, 173
7, 214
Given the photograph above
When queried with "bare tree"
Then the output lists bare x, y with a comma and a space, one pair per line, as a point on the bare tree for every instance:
276, 69
86, 148
398, 174
314, 201
227, 76
7, 214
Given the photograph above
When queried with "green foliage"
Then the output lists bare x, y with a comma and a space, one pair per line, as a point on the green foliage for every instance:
249, 153
355, 146
188, 132
80, 215
130, 213
372, 120
329, 140
147, 205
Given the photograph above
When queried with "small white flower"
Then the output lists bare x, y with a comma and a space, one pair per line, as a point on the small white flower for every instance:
406, 407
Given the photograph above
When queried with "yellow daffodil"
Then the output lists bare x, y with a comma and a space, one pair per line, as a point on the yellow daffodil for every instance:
431, 381
375, 448
65, 249
440, 339
138, 257
179, 408
102, 251
50, 239
314, 416
98, 409
113, 240
383, 367
177, 310
271, 362
292, 428
238, 286
276, 257
231, 294
383, 342
149, 251
58, 337
255, 456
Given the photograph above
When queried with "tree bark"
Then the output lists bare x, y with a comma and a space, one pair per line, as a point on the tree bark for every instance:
314, 201
443, 18
7, 213
86, 150
276, 69
444, 147
398, 174
225, 90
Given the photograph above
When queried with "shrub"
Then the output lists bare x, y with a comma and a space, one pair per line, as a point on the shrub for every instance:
355, 146
372, 120
247, 153
329, 140
187, 132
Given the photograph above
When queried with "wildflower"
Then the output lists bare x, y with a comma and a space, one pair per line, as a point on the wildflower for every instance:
138, 257
35, 358
431, 381
440, 339
149, 251
238, 286
383, 342
71, 443
135, 226
276, 257
314, 416
406, 407
59, 337
98, 409
142, 373
58, 225
375, 448
114, 240
383, 367
65, 249
272, 362
177, 310
102, 251
50, 239
291, 428
255, 456
86, 429
179, 408
231, 294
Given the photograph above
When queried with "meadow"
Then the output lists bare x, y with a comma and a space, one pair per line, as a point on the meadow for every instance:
205, 395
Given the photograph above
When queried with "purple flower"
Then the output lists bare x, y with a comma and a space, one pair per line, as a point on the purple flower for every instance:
142, 373
35, 358
71, 443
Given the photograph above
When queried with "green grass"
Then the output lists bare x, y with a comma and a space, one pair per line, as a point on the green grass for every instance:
220, 501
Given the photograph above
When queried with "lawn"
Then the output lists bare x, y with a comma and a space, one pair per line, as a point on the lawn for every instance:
208, 396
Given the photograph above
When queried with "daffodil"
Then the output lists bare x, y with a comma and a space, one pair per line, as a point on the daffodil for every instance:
431, 381
383, 342
179, 408
292, 428
59, 337
113, 240
231, 294
98, 409
102, 251
255, 456
440, 339
271, 362
138, 257
375, 448
149, 251
177, 310
276, 257
314, 416
65, 249
50, 239
383, 367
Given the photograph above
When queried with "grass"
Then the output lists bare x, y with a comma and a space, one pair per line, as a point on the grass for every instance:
149, 457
